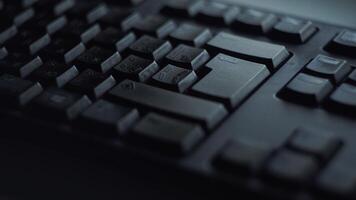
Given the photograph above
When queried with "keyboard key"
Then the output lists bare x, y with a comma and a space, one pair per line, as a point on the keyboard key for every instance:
190, 34
63, 50
150, 48
350, 79
123, 19
307, 89
344, 43
230, 80
254, 21
20, 65
175, 78
338, 179
321, 145
7, 31
60, 6
168, 134
108, 119
112, 38
3, 53
79, 31
292, 167
92, 83
271, 55
60, 104
16, 91
53, 73
46, 23
23, 16
182, 8
217, 13
343, 99
293, 30
30, 42
136, 68
98, 59
23, 3
154, 25
90, 11
188, 57
328, 67
203, 111
242, 157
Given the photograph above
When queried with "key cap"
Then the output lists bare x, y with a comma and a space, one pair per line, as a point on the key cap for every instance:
190, 34
46, 23
292, 167
254, 21
175, 78
98, 59
23, 3
92, 83
271, 55
168, 134
150, 48
20, 65
23, 16
112, 38
293, 30
321, 145
79, 31
60, 104
63, 50
7, 31
120, 18
307, 89
203, 111
29, 42
90, 11
53, 73
328, 67
338, 179
126, 2
344, 43
136, 68
154, 25
242, 157
17, 92
350, 79
230, 80
183, 8
343, 99
107, 119
3, 53
57, 7
217, 13
188, 57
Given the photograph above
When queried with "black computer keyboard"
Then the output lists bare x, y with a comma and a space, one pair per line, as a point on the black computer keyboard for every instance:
259, 101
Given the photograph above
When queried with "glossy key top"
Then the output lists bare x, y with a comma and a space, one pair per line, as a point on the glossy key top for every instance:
206, 112
344, 43
343, 99
269, 54
230, 80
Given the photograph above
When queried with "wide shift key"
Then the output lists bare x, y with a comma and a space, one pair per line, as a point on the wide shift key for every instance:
203, 111
269, 54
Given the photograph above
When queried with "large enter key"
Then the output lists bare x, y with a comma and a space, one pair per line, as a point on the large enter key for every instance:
272, 55
230, 80
203, 111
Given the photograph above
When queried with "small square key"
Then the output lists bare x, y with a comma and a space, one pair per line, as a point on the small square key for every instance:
217, 13
188, 57
90, 11
124, 19
168, 134
46, 23
20, 65
343, 99
63, 50
60, 104
7, 31
150, 48
104, 118
16, 91
136, 68
53, 73
55, 7
193, 35
3, 53
328, 67
98, 59
78, 30
92, 83
175, 78
254, 21
344, 43
293, 30
183, 8
155, 25
114, 39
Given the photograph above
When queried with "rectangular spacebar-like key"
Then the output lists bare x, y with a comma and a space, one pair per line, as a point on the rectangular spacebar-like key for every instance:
206, 112
269, 54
